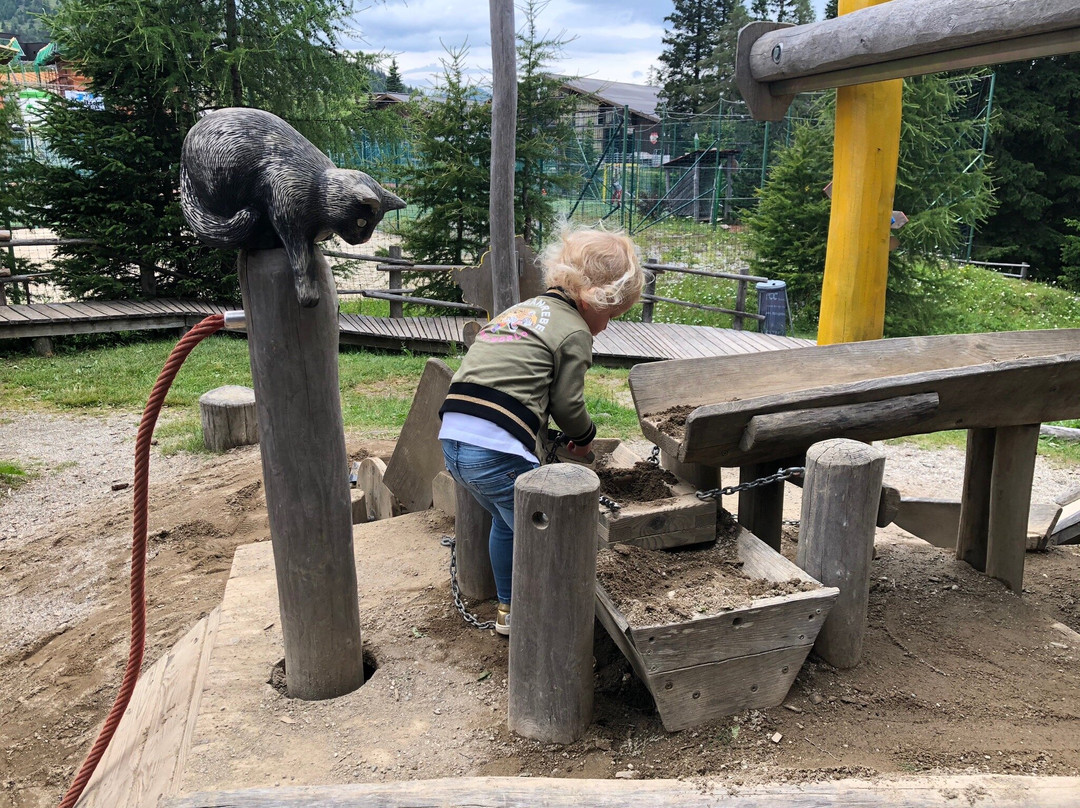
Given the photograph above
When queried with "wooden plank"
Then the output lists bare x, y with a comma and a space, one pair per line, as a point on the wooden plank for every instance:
974, 524
690, 696
768, 373
12, 315
765, 625
146, 757
1015, 448
688, 519
418, 456
973, 396
999, 791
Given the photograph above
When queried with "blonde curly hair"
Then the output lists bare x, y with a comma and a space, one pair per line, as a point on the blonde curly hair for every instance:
600, 267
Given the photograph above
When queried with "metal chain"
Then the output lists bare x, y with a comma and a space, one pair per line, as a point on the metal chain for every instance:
609, 503
471, 619
782, 474
654, 455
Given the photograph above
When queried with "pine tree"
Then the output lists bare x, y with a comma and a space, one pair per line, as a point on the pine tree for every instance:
940, 186
394, 84
1035, 159
798, 12
451, 141
696, 28
544, 130
115, 175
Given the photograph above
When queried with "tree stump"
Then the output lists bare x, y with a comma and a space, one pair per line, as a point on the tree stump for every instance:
228, 417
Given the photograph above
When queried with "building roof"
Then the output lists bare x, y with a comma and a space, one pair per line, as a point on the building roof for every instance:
640, 98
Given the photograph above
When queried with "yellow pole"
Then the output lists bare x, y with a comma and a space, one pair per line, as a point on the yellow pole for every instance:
865, 154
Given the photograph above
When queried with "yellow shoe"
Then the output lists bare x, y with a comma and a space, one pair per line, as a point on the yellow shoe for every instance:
502, 620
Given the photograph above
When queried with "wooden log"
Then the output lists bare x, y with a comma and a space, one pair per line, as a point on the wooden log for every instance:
418, 454
472, 526
836, 538
1010, 502
505, 286
1000, 791
888, 504
551, 632
975, 498
228, 417
803, 427
905, 38
294, 358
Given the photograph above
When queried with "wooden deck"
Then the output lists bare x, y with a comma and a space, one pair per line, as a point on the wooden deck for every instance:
623, 343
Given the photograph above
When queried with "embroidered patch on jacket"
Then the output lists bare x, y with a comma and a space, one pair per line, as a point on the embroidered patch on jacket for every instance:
516, 323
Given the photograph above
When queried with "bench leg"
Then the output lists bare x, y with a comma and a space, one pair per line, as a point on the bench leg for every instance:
1015, 448
975, 500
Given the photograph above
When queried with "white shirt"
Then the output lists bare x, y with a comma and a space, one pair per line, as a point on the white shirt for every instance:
483, 433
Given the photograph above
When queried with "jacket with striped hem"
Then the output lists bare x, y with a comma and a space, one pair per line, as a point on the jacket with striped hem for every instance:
528, 363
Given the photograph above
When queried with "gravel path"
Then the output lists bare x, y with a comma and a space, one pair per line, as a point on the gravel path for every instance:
76, 460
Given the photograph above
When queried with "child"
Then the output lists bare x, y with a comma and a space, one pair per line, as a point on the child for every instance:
526, 364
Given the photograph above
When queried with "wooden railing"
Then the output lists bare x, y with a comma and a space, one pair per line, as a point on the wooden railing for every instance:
398, 295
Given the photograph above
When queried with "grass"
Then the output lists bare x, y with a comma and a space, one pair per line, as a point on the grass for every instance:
376, 388
12, 475
1058, 452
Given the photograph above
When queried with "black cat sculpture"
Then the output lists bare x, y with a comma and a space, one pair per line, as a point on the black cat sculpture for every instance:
249, 180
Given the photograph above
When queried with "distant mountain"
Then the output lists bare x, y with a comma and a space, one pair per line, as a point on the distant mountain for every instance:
17, 17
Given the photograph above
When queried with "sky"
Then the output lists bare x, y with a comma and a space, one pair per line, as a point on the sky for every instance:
612, 40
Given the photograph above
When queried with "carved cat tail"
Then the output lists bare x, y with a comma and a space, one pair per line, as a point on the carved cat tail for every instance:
211, 229
301, 254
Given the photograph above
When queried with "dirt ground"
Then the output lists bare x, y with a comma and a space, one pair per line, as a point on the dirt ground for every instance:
957, 675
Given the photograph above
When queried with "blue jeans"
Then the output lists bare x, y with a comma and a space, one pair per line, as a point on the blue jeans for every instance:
489, 476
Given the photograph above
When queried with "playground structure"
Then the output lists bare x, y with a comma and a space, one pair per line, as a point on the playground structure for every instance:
865, 391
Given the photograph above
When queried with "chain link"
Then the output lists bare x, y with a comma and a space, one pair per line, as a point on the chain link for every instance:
471, 619
654, 455
609, 503
782, 474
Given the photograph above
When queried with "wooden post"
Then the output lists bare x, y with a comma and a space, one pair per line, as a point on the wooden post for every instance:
1015, 448
761, 510
556, 509
472, 526
650, 289
865, 154
975, 500
294, 367
836, 538
396, 307
740, 299
504, 281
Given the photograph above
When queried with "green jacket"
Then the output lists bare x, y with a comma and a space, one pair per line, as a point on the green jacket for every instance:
527, 364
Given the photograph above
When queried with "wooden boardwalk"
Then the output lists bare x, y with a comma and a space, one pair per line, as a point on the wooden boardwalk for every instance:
623, 343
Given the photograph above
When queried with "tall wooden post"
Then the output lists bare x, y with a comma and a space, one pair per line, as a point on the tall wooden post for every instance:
836, 538
504, 282
975, 499
865, 154
556, 511
294, 367
472, 526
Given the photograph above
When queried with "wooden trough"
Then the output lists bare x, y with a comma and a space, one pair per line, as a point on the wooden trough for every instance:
764, 410
721, 664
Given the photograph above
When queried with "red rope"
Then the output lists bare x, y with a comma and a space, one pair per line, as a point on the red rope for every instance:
138, 550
